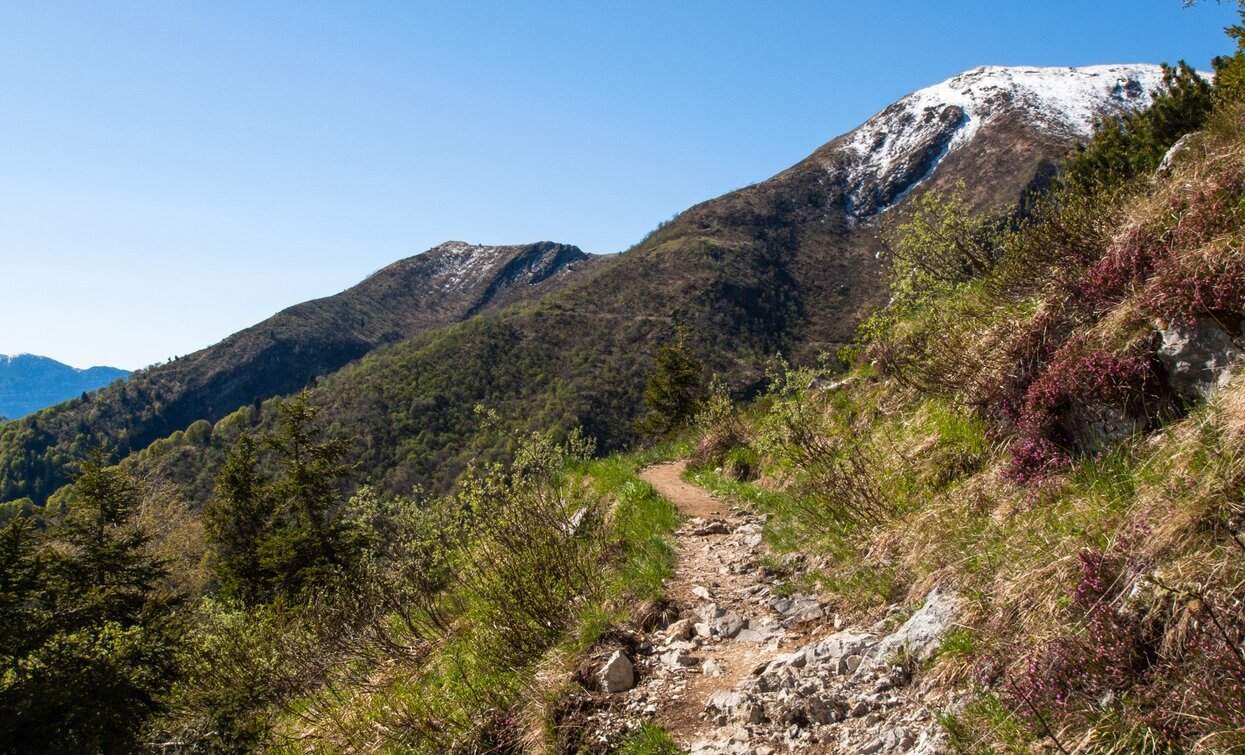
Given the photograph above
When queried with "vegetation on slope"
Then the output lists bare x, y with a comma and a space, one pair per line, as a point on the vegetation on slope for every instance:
277, 357
1015, 430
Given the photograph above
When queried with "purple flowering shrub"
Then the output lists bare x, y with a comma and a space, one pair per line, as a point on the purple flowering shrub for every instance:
1182, 679
1188, 263
1075, 378
1200, 695
1080, 675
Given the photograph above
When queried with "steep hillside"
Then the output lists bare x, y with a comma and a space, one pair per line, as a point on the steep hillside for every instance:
787, 266
448, 283
29, 383
1050, 453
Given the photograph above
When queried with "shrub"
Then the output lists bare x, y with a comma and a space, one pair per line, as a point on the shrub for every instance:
1082, 401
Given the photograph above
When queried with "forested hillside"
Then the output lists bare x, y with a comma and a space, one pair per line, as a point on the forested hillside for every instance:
446, 284
1001, 513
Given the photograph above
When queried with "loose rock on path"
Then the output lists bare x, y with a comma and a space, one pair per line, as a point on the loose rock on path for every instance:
750, 665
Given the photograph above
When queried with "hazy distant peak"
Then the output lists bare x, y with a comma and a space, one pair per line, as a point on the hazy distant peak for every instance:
29, 382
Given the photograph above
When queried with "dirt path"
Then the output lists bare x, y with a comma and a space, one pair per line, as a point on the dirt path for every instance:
691, 500
729, 621
750, 665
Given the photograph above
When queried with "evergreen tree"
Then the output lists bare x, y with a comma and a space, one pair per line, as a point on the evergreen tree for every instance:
674, 388
235, 521
271, 539
96, 666
1230, 69
21, 574
1123, 148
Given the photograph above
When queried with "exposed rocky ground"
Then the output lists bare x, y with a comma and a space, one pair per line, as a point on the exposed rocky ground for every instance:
742, 664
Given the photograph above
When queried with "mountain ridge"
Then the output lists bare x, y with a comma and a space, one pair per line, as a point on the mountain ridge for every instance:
283, 353
786, 266
30, 382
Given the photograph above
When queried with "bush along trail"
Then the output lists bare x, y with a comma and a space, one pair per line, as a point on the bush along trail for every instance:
737, 664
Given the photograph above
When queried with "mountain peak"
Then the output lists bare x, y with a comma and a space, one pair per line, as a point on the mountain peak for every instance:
29, 382
892, 152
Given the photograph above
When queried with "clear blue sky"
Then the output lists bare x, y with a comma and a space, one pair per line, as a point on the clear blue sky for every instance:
171, 172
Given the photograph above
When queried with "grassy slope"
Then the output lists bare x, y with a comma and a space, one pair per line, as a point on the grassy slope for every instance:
471, 689
1102, 586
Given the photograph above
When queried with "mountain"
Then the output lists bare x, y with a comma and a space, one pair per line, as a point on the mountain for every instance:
446, 284
29, 383
972, 121
280, 355
787, 266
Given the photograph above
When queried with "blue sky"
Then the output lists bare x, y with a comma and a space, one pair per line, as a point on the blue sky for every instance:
172, 172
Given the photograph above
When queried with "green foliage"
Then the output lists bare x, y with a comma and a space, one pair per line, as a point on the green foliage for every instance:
941, 246
1230, 69
90, 641
674, 389
837, 481
271, 539
649, 739
21, 572
944, 248
958, 642
1123, 148
22, 507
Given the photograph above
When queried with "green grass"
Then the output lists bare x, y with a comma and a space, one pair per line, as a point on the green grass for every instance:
986, 714
959, 642
467, 691
649, 739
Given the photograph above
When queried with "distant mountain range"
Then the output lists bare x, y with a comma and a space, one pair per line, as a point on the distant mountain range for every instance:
29, 383
551, 337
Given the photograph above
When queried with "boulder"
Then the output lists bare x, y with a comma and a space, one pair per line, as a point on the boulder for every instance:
920, 635
1169, 158
618, 674
1198, 357
838, 646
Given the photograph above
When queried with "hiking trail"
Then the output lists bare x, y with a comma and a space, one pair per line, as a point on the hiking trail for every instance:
751, 665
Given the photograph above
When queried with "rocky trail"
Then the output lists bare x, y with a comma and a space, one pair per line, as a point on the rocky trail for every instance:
742, 663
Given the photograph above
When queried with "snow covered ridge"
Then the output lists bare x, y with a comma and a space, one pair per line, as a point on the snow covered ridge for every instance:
458, 263
897, 148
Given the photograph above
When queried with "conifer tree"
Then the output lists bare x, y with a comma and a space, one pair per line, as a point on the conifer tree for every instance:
101, 658
674, 388
21, 574
273, 538
1124, 148
234, 522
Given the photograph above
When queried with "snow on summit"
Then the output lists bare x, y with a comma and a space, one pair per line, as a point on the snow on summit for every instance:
904, 143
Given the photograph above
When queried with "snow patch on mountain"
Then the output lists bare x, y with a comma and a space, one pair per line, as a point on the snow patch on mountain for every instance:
458, 262
888, 155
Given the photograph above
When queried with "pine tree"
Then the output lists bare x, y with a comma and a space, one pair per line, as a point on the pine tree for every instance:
271, 539
1123, 148
21, 574
103, 655
674, 388
234, 522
